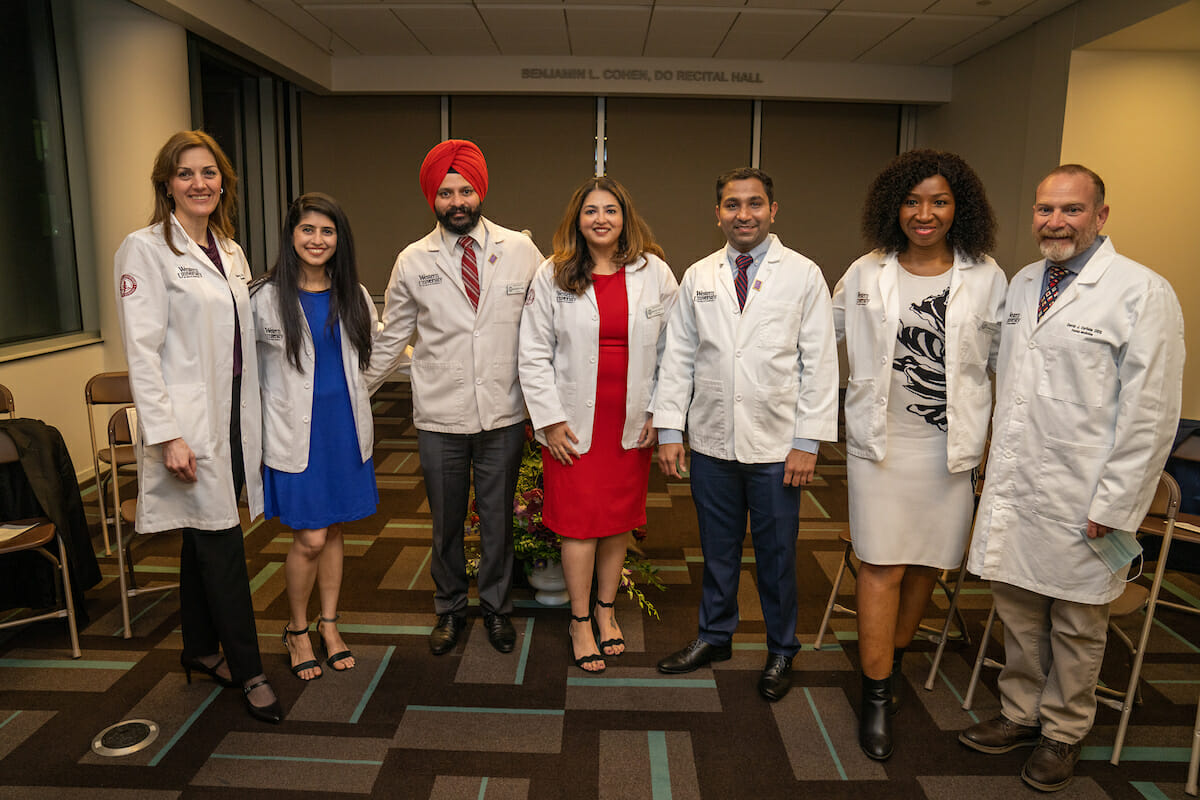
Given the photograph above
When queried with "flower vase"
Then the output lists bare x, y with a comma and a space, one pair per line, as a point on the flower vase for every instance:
548, 579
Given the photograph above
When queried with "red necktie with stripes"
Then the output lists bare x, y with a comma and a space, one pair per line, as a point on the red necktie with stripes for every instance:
470, 272
739, 281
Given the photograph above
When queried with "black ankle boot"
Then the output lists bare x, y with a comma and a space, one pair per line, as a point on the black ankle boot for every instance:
897, 658
874, 721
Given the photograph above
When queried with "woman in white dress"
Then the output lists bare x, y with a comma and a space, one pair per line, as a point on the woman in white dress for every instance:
920, 315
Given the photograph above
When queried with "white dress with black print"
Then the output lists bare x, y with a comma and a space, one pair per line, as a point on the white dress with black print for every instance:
908, 508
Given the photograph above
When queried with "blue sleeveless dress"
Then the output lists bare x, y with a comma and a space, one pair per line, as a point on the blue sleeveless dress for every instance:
337, 486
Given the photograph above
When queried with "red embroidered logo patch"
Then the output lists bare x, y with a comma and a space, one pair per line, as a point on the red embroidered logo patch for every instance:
128, 285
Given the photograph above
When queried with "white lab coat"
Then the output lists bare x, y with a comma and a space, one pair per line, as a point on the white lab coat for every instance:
866, 314
1087, 403
176, 314
560, 349
464, 363
287, 394
748, 383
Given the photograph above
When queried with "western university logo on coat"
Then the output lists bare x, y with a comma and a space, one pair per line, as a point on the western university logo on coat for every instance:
188, 272
432, 279
563, 296
128, 285
704, 296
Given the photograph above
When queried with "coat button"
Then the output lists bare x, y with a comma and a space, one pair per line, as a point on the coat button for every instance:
883, 359
737, 397
304, 419
476, 333
479, 381
588, 404
1018, 399
737, 353
307, 385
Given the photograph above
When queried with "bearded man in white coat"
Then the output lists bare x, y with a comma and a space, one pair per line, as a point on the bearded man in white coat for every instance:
1089, 384
461, 289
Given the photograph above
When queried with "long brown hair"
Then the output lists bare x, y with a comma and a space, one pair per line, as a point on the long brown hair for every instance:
572, 259
165, 164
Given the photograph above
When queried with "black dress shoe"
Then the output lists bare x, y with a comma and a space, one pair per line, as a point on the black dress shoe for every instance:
445, 634
693, 657
1051, 766
500, 632
1000, 735
776, 678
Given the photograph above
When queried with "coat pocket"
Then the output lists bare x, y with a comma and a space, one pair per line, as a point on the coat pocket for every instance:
706, 415
1066, 480
439, 391
1076, 371
189, 403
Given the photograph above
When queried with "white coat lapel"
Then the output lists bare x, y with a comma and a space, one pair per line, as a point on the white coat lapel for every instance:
725, 278
448, 258
489, 260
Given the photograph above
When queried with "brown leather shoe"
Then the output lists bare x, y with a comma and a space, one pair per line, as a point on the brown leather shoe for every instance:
999, 735
1052, 765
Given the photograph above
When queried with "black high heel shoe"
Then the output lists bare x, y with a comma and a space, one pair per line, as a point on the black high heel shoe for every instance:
198, 665
610, 642
335, 658
272, 713
579, 662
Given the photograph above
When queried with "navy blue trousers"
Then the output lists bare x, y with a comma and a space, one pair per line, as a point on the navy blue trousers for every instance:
724, 493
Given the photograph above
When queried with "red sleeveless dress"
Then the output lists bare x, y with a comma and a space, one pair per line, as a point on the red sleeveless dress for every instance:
604, 492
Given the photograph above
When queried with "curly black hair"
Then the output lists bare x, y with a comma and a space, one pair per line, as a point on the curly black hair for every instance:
973, 232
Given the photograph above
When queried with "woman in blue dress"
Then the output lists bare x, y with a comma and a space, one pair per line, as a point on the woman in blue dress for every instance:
314, 324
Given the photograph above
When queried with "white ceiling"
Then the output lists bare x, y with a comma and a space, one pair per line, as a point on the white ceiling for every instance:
875, 32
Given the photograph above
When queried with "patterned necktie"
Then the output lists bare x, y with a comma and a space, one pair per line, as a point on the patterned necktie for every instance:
470, 272
1054, 274
739, 282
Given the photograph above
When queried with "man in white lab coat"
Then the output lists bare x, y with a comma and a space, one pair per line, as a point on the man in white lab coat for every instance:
1089, 382
751, 365
461, 289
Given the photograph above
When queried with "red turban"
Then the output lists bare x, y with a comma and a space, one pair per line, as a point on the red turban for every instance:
463, 157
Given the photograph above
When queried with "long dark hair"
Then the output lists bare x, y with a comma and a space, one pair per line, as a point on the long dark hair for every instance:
346, 300
572, 259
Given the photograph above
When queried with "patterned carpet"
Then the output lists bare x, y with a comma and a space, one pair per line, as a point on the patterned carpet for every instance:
477, 724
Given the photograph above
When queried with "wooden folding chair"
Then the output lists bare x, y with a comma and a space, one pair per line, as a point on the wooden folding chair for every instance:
38, 538
106, 389
125, 516
7, 406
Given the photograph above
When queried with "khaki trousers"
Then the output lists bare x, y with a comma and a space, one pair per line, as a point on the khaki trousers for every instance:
1052, 654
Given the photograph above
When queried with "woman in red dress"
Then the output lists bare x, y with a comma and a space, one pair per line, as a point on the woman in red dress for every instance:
591, 337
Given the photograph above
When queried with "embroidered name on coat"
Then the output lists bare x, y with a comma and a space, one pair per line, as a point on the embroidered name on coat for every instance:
431, 279
188, 272
704, 296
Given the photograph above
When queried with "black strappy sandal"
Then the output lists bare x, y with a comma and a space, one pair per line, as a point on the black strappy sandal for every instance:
610, 642
333, 660
310, 664
579, 662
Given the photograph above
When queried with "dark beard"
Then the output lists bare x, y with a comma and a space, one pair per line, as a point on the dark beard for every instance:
466, 227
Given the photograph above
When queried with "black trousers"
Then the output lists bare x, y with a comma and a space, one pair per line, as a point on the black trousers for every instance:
448, 462
214, 587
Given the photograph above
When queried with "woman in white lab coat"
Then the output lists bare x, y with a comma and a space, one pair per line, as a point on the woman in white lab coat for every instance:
591, 337
188, 331
920, 316
314, 324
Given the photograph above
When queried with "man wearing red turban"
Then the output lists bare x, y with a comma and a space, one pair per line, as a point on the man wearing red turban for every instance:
461, 289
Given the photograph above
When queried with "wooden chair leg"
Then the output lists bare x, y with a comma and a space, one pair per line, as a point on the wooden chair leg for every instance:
837, 585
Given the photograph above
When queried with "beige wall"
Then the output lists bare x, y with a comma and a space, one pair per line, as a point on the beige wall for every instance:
133, 66
1006, 115
1147, 156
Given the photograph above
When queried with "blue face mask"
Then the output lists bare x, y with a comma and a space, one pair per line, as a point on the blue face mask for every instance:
1116, 549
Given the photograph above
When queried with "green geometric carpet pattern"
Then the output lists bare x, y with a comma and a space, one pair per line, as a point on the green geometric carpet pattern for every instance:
477, 724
